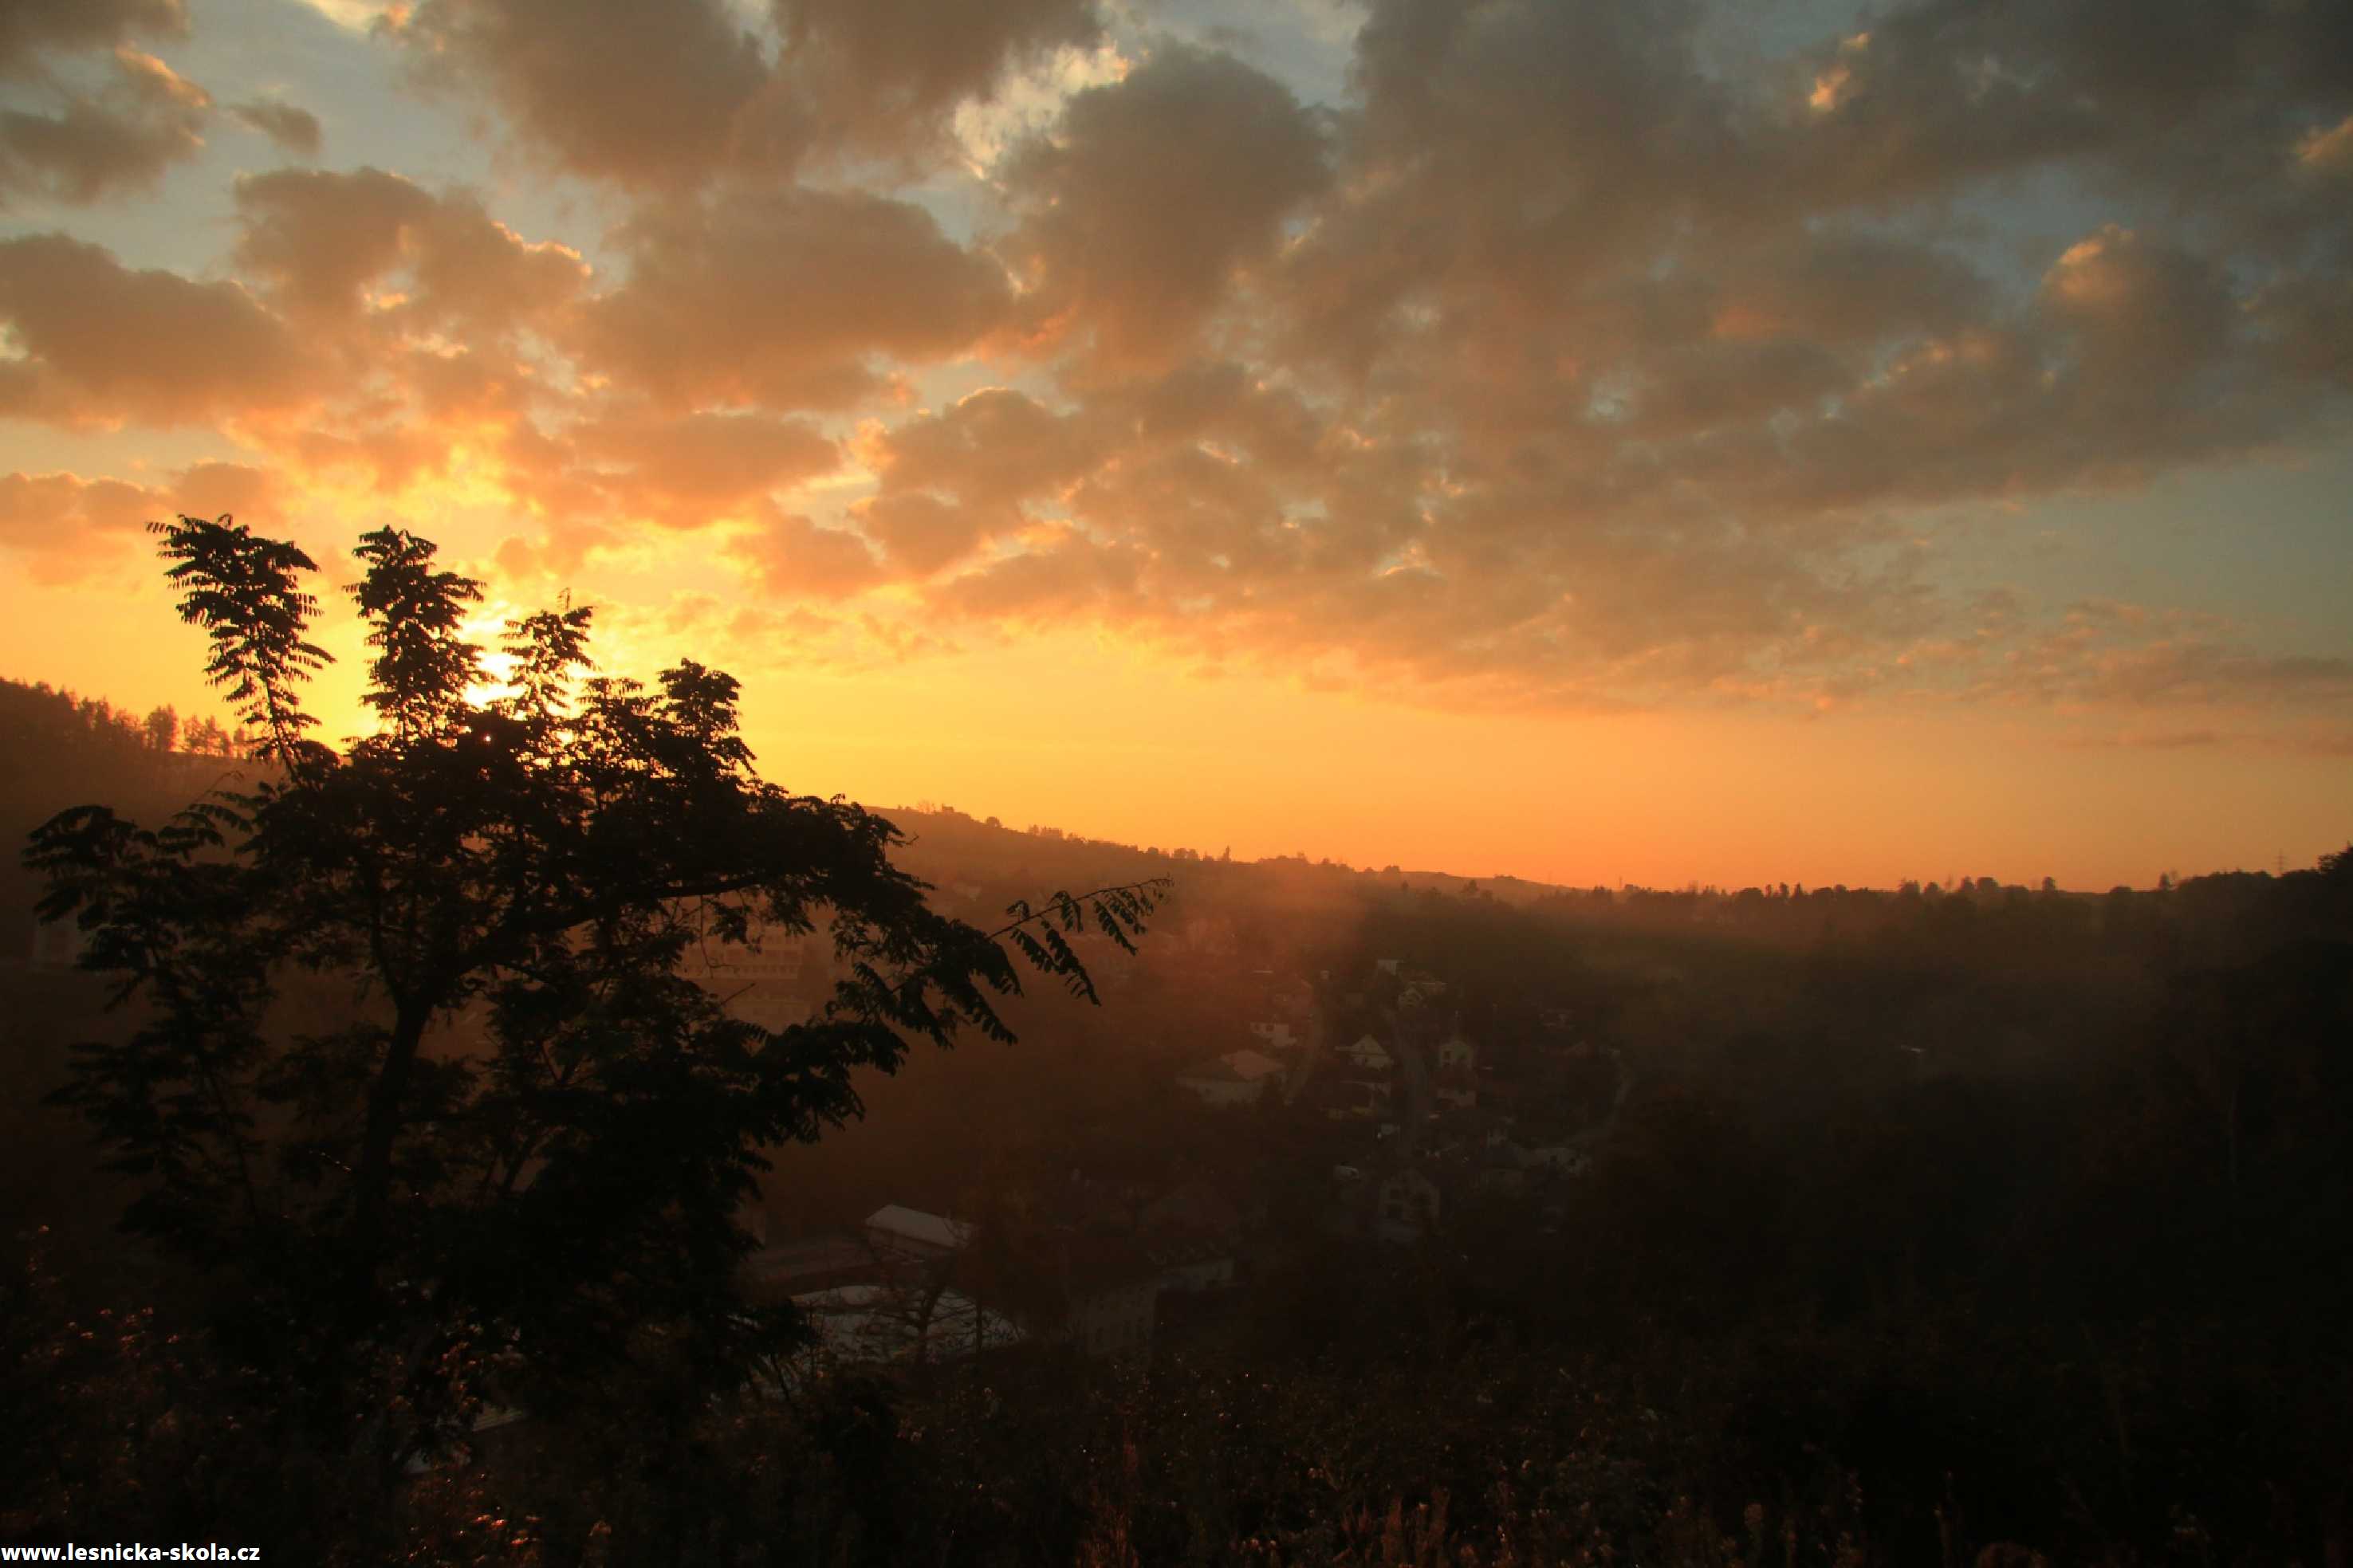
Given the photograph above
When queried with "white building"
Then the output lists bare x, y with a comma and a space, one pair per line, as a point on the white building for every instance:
766, 981
1237, 1078
1454, 1051
1368, 1054
897, 1231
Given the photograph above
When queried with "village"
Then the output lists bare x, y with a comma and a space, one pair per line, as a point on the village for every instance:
1375, 1110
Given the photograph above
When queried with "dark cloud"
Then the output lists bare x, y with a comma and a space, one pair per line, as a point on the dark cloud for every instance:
883, 76
91, 335
922, 534
1153, 191
662, 98
124, 137
292, 130
792, 299
28, 28
994, 448
653, 97
322, 242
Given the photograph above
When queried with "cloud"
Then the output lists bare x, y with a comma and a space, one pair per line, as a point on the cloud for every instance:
885, 76
920, 534
67, 529
993, 448
2142, 314
2327, 151
665, 98
1153, 193
787, 300
1562, 359
121, 138
212, 489
788, 556
1064, 578
292, 130
687, 472
101, 344
338, 249
28, 28
650, 97
64, 527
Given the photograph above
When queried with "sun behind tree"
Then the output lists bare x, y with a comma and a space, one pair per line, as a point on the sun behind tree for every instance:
408, 1227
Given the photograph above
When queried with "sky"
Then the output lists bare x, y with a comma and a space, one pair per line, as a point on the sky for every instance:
1657, 441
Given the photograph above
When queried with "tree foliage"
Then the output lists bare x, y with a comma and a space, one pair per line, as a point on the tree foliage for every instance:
413, 1061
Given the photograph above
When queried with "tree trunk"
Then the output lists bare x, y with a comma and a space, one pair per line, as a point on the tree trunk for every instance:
372, 1181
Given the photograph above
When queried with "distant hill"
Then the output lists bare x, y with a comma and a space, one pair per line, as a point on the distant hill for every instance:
59, 750
946, 839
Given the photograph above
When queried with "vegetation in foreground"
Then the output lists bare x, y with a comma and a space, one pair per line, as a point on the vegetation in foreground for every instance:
1942, 1227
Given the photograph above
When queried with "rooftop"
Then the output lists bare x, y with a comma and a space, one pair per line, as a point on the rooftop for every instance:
914, 1225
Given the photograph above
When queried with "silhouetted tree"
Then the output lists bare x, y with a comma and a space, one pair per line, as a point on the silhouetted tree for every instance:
508, 1159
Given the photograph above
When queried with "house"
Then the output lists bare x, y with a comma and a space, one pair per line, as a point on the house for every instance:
764, 981
1215, 1083
1368, 1054
1406, 1206
1456, 1087
1237, 1078
1275, 1036
1389, 966
897, 1232
1454, 1051
874, 1323
799, 1268
1254, 1065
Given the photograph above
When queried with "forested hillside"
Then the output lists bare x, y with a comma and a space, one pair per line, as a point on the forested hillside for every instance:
1989, 1223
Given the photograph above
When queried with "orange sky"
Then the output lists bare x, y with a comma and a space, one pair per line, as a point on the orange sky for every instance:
1753, 447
